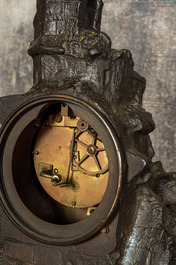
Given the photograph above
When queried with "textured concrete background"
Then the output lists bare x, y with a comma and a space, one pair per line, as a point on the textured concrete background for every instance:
146, 27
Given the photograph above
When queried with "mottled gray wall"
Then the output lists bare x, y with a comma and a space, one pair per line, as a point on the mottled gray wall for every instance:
146, 27
16, 18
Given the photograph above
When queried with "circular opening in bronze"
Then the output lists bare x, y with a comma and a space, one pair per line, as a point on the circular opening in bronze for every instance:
48, 171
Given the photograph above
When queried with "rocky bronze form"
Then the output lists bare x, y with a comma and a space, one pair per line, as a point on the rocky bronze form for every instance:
78, 185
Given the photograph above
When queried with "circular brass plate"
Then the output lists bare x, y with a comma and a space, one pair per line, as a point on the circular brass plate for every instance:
53, 147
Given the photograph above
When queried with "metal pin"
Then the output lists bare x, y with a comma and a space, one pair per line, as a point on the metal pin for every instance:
55, 170
36, 152
105, 230
73, 204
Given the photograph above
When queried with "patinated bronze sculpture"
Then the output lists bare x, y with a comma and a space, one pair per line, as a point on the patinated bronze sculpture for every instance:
71, 144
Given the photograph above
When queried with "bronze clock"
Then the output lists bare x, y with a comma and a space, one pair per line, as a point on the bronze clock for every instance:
69, 145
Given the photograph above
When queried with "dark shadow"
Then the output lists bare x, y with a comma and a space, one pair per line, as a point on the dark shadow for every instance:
90, 15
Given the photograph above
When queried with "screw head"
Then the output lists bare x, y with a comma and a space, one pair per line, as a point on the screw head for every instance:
55, 170
91, 149
56, 178
73, 204
36, 152
57, 118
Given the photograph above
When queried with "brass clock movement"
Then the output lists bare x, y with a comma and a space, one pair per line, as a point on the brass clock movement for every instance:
75, 157
64, 165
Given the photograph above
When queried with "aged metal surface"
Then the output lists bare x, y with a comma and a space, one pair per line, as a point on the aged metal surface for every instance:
147, 227
147, 28
54, 144
79, 61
